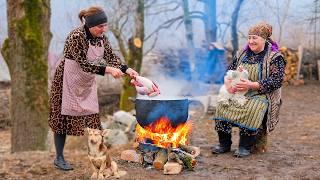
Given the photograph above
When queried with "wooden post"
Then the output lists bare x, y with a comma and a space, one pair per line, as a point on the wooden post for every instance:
310, 71
300, 55
319, 70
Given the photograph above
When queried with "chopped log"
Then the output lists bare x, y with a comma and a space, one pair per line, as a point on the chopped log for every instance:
187, 160
132, 156
192, 150
196, 151
160, 159
172, 168
187, 149
293, 59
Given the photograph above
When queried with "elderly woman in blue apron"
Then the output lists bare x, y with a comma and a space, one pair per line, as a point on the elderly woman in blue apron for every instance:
74, 100
260, 114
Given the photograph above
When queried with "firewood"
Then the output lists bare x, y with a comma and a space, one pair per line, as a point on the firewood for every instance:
160, 159
148, 157
196, 151
293, 59
172, 168
174, 157
192, 150
131, 156
187, 149
187, 160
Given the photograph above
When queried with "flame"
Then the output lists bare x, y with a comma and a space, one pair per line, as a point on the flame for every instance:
163, 134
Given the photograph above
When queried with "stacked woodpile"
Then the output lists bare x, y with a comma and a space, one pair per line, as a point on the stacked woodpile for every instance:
170, 160
292, 71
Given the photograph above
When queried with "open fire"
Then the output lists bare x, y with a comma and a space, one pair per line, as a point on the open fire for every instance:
162, 134
163, 145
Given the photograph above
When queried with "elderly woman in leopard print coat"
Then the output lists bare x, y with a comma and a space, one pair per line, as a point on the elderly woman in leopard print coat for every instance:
73, 98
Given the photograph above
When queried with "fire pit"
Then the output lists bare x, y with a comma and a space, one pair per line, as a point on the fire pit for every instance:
162, 136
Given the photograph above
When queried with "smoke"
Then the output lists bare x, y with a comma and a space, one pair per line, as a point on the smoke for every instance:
171, 71
170, 88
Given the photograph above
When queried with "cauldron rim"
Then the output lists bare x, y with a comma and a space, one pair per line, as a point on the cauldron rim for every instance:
162, 99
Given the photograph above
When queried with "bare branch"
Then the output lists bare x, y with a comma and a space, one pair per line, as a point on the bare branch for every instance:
153, 45
124, 23
121, 42
165, 25
164, 10
149, 3
165, 4
179, 24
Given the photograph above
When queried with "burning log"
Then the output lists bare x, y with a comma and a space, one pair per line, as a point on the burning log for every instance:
160, 159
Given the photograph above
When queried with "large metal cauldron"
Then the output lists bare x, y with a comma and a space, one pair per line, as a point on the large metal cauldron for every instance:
149, 110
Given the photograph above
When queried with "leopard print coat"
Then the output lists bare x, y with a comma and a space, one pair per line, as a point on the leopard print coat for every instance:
76, 47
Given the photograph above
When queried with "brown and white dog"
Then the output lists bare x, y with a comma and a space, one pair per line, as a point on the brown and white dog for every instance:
102, 164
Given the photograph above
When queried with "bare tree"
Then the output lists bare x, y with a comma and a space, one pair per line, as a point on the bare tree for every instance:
281, 12
127, 27
26, 52
134, 54
234, 29
210, 19
189, 33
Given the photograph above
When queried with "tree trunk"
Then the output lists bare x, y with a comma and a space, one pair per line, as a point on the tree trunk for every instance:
234, 28
25, 52
189, 35
134, 58
211, 20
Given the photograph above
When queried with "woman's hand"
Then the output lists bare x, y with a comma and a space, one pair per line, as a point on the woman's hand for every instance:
115, 72
244, 85
131, 72
227, 83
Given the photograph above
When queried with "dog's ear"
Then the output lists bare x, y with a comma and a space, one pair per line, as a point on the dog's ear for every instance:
105, 132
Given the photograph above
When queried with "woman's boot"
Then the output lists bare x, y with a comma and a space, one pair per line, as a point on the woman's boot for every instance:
224, 143
59, 162
245, 145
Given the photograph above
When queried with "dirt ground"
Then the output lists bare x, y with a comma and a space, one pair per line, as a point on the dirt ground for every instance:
293, 151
